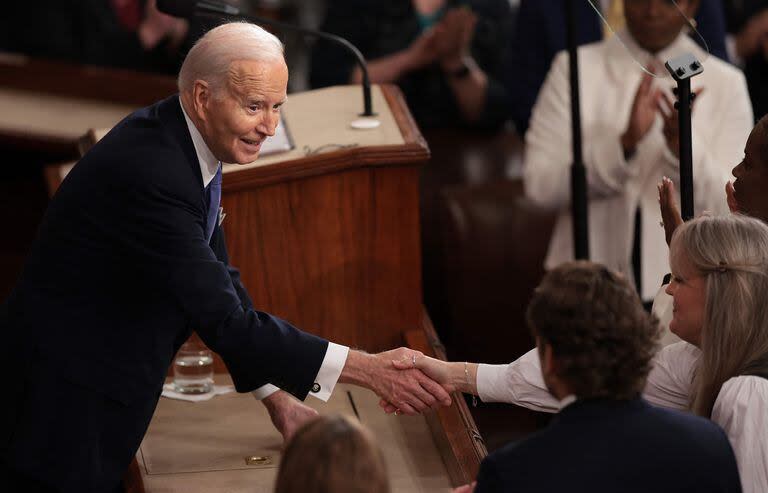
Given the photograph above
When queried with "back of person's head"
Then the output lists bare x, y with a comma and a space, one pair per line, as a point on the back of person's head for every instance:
732, 254
332, 454
211, 56
593, 320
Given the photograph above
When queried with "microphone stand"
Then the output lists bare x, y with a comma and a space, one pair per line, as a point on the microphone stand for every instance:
682, 69
578, 171
215, 9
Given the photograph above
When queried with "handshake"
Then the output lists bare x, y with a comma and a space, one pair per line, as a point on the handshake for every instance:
396, 377
406, 381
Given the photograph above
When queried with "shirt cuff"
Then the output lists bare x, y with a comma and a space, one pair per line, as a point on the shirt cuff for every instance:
330, 371
264, 391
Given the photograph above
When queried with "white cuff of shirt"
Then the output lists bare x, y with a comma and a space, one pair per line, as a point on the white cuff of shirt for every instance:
264, 391
326, 379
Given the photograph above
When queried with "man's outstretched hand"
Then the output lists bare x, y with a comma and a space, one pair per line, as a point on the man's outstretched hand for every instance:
408, 390
287, 413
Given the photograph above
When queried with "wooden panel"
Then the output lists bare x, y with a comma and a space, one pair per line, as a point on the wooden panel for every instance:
453, 428
338, 255
84, 81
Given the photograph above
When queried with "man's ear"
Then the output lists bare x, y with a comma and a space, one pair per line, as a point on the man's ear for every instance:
201, 97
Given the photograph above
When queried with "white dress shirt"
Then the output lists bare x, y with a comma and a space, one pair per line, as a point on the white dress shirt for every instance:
335, 355
741, 408
721, 122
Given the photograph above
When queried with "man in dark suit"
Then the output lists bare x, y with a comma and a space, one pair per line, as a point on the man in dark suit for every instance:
130, 258
541, 33
596, 343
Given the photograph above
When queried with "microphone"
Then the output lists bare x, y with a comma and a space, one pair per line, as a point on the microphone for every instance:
190, 8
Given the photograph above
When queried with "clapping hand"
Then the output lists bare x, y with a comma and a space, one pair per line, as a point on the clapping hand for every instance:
642, 115
453, 35
670, 214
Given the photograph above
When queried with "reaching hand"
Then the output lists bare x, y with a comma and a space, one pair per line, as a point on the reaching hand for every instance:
409, 391
670, 214
730, 196
436, 369
287, 413
642, 114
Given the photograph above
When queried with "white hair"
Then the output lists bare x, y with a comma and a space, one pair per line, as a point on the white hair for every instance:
210, 57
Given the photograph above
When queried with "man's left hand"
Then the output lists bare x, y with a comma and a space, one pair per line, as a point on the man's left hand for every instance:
287, 413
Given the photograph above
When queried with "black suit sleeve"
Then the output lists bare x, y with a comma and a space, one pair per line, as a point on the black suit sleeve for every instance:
219, 247
489, 479
165, 232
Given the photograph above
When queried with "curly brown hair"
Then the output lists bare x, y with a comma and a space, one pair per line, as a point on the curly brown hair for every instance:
599, 332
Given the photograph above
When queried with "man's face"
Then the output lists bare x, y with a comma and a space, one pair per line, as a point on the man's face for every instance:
655, 24
246, 111
751, 185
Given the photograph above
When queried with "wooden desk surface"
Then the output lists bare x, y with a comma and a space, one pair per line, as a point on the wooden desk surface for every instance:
55, 117
201, 447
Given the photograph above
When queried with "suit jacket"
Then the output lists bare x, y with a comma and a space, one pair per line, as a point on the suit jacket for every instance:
541, 32
721, 123
119, 276
604, 446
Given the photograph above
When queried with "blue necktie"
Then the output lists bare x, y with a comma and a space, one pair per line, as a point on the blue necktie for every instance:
214, 199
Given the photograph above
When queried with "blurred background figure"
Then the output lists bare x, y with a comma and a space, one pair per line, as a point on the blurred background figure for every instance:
541, 33
631, 139
332, 454
445, 55
748, 46
117, 33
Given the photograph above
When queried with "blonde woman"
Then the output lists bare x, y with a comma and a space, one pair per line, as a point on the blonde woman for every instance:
719, 370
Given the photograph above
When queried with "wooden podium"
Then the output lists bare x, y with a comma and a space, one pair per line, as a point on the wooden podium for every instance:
327, 237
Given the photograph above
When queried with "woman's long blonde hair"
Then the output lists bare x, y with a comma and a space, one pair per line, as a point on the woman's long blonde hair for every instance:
732, 253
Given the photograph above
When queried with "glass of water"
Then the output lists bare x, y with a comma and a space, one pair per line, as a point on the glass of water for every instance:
193, 369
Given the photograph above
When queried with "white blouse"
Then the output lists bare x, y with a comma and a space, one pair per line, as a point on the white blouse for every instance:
741, 408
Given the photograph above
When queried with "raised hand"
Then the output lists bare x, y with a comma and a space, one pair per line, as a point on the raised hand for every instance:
453, 35
407, 390
670, 214
642, 115
730, 196
287, 413
467, 488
